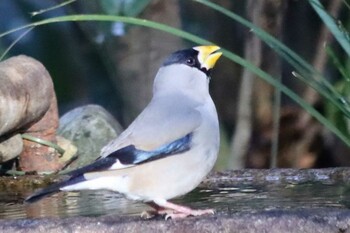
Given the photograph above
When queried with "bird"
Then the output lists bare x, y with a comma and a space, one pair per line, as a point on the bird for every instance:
170, 147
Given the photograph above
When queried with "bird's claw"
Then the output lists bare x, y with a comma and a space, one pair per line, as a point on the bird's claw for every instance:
148, 214
179, 215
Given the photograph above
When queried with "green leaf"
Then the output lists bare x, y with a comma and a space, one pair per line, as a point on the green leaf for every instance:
338, 32
185, 35
337, 63
304, 70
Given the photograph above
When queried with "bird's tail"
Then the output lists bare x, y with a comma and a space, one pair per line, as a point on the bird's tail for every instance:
54, 188
76, 176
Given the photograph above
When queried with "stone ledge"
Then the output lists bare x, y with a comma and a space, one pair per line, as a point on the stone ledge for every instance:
303, 219
216, 179
278, 176
321, 220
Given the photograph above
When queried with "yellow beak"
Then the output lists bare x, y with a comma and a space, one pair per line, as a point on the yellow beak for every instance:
208, 55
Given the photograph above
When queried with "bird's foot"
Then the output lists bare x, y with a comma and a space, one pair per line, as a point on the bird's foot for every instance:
158, 210
147, 214
174, 211
191, 212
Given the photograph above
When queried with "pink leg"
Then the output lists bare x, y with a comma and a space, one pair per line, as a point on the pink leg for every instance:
158, 210
175, 211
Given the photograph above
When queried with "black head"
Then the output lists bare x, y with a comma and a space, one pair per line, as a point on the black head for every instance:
187, 57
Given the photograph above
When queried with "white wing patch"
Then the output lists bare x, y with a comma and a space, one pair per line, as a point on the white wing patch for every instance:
118, 165
114, 183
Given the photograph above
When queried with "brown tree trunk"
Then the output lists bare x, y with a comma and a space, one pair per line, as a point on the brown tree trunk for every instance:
304, 158
139, 54
257, 107
252, 52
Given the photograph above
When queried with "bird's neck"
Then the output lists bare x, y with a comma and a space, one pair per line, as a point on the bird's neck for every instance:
183, 80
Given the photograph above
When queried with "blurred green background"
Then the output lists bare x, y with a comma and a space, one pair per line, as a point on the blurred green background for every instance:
113, 65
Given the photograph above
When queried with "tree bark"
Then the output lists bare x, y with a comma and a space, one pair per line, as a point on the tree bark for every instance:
242, 134
139, 54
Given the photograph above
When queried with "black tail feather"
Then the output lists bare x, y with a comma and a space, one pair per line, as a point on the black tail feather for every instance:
77, 175
54, 188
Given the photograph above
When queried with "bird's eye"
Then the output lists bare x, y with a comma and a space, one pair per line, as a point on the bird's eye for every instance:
190, 61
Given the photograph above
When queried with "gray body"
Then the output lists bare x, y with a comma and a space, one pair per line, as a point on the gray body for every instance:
181, 104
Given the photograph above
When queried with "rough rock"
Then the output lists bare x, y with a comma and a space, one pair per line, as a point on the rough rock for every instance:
89, 128
299, 219
311, 221
26, 91
26, 97
38, 157
11, 148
